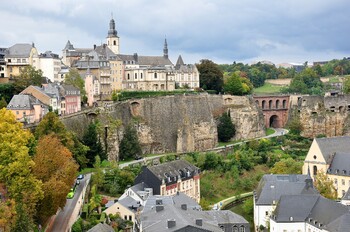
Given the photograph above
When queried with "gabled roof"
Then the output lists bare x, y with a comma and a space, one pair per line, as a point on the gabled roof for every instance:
272, 187
179, 61
154, 60
340, 164
174, 168
19, 50
22, 102
68, 46
184, 212
101, 227
341, 224
313, 209
329, 146
130, 203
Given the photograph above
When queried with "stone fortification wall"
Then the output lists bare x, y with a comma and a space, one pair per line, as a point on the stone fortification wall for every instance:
324, 115
173, 123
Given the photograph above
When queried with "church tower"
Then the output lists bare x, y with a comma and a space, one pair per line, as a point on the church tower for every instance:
112, 38
165, 50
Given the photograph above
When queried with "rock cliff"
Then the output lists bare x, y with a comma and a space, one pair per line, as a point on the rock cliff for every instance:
173, 123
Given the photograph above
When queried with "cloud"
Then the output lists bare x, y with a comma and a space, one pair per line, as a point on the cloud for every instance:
221, 30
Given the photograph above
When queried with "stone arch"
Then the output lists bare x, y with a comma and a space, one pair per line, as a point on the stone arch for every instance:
277, 104
257, 103
263, 104
135, 108
274, 121
284, 103
270, 104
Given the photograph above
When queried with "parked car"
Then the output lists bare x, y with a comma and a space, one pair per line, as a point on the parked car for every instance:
80, 177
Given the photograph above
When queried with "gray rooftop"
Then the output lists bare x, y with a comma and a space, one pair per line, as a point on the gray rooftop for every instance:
174, 168
313, 209
328, 146
272, 187
101, 227
19, 50
185, 213
340, 164
347, 195
130, 203
341, 224
22, 102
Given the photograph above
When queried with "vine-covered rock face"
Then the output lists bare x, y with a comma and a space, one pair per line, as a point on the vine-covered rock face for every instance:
172, 123
327, 116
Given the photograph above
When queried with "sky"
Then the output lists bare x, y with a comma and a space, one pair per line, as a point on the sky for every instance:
223, 31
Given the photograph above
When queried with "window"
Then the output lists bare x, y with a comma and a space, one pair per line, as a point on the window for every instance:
130, 218
335, 181
270, 104
241, 229
128, 76
315, 170
263, 104
155, 75
342, 181
266, 213
235, 229
18, 60
141, 75
9, 60
125, 217
23, 60
114, 42
135, 75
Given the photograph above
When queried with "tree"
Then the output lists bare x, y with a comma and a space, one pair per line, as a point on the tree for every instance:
325, 186
92, 141
295, 126
130, 147
52, 124
234, 85
210, 75
95, 200
346, 85
226, 129
3, 103
73, 78
16, 165
28, 76
287, 166
7, 90
56, 168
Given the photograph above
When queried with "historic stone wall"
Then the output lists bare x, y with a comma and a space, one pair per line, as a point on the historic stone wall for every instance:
324, 115
173, 123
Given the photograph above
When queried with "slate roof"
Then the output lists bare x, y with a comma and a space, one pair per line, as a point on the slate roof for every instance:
48, 54
297, 207
173, 169
68, 46
313, 209
335, 144
341, 224
101, 227
130, 203
272, 187
105, 51
19, 50
179, 61
340, 164
184, 217
146, 60
22, 102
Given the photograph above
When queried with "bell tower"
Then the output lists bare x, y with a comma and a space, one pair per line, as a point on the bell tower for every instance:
112, 37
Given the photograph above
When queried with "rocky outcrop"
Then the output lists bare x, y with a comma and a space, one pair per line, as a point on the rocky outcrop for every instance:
180, 124
324, 115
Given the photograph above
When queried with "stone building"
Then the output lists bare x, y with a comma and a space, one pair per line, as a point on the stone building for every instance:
169, 178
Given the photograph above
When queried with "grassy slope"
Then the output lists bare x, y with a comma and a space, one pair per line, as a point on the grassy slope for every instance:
268, 89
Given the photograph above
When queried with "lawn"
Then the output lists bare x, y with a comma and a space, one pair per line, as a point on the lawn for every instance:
270, 131
268, 88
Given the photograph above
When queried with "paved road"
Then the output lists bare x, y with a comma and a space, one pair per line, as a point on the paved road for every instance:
63, 217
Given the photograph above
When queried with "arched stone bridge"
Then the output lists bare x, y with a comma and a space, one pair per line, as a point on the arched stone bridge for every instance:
275, 109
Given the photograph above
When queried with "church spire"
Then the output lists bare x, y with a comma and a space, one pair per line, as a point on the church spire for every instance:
165, 50
112, 32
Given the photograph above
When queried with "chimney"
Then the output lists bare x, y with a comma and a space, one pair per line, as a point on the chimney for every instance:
136, 57
159, 208
159, 202
171, 223
199, 221
184, 206
94, 46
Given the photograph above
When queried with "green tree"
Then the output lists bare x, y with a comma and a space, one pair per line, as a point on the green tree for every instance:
130, 147
287, 166
7, 90
98, 176
28, 76
346, 85
91, 139
234, 85
294, 125
226, 129
325, 186
73, 78
210, 75
3, 103
95, 200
